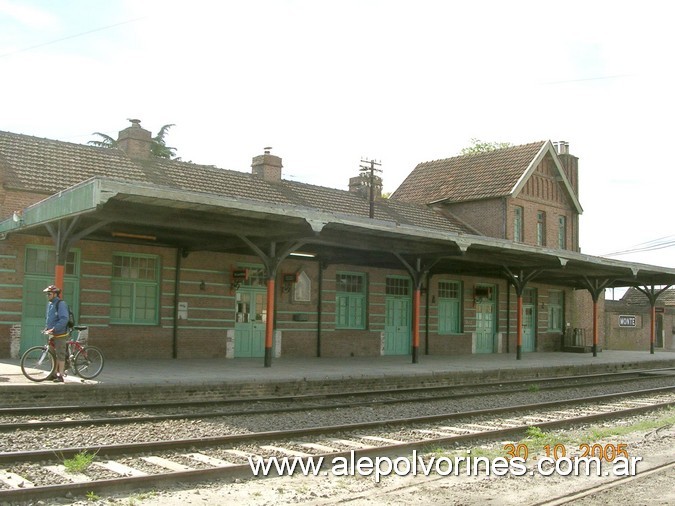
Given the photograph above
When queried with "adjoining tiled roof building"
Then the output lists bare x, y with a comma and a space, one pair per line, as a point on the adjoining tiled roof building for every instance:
499, 193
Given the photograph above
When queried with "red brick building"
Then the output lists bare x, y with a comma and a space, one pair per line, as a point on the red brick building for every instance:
164, 258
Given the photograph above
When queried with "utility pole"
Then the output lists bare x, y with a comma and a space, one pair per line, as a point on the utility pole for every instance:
369, 172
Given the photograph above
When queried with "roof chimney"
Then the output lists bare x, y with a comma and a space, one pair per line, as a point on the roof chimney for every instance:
570, 164
563, 147
267, 166
135, 141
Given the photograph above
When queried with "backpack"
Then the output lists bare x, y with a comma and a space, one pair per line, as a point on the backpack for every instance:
71, 316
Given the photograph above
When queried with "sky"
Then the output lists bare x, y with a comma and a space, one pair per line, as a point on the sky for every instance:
329, 83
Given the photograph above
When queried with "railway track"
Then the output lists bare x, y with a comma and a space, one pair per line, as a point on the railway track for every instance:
78, 415
39, 474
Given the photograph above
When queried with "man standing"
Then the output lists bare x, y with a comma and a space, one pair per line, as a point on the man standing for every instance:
57, 326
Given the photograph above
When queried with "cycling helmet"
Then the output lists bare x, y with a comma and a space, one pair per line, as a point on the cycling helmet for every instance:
52, 288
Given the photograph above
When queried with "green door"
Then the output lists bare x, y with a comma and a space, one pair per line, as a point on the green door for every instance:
250, 322
658, 328
397, 326
529, 319
35, 308
485, 326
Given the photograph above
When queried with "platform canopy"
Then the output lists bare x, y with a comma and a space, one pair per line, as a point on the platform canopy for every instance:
131, 212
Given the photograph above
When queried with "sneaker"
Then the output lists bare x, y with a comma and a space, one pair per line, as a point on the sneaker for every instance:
58, 379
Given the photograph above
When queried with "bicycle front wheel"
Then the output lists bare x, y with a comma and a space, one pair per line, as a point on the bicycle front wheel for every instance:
38, 363
88, 362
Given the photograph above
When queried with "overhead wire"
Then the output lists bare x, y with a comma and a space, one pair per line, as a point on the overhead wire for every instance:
652, 245
81, 34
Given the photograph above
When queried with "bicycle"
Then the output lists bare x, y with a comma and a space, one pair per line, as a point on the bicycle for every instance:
39, 362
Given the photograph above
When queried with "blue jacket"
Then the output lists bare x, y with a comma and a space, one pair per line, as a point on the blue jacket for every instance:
57, 321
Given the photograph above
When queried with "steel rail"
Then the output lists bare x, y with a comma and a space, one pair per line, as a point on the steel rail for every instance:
244, 470
618, 482
119, 420
18, 410
118, 449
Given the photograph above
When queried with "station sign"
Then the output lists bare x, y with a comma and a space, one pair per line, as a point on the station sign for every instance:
626, 320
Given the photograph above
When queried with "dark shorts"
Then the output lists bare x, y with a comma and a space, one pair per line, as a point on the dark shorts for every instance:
60, 347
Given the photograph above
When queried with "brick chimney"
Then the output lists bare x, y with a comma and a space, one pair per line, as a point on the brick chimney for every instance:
267, 166
570, 164
135, 141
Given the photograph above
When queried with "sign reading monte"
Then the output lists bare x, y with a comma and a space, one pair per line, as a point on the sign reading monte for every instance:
626, 320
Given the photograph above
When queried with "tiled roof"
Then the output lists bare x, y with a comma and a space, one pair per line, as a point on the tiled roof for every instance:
635, 296
47, 166
469, 177
42, 165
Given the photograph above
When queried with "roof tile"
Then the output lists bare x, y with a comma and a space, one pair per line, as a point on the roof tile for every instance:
43, 165
469, 177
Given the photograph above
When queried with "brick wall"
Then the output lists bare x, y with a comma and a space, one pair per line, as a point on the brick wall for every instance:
637, 338
486, 216
206, 293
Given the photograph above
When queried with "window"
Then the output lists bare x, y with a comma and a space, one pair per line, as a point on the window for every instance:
541, 228
562, 232
40, 260
555, 310
350, 301
134, 294
397, 286
518, 224
449, 307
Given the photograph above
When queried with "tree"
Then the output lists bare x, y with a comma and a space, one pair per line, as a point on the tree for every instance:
483, 147
105, 142
158, 145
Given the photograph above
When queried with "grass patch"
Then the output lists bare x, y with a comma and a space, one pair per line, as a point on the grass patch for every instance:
79, 462
597, 433
537, 440
92, 496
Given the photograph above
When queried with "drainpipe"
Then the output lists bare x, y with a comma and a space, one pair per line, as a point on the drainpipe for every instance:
176, 290
508, 317
426, 319
318, 309
504, 216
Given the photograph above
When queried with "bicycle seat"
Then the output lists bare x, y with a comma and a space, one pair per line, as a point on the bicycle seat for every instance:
80, 327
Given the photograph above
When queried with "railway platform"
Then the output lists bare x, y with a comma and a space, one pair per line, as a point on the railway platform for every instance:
145, 380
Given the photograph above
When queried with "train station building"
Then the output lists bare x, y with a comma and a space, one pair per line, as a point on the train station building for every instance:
169, 259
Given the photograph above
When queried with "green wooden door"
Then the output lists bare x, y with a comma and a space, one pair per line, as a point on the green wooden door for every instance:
250, 322
529, 319
485, 327
528, 327
397, 329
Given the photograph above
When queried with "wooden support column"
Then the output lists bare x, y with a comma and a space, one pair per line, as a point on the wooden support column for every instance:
596, 287
652, 293
519, 281
416, 325
269, 324
595, 327
418, 274
519, 324
64, 236
271, 262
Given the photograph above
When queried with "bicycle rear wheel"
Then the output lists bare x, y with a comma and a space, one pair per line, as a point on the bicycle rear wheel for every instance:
88, 362
38, 363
